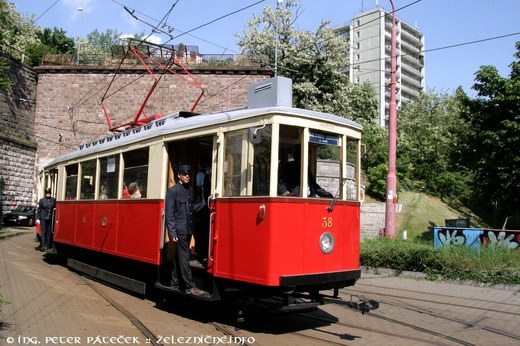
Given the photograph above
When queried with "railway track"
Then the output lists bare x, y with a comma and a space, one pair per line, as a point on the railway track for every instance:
399, 308
155, 339
412, 304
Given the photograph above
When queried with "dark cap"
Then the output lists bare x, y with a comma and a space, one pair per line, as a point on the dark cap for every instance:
47, 190
184, 168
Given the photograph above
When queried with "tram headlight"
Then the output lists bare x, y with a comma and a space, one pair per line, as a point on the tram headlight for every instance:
327, 242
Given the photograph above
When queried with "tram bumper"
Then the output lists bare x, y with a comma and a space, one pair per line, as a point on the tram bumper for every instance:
322, 281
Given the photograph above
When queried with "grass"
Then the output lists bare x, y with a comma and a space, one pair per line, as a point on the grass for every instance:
490, 266
421, 212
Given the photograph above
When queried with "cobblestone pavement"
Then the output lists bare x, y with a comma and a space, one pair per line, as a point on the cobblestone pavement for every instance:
46, 300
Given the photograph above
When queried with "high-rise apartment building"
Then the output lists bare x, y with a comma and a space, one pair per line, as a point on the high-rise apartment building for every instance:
370, 52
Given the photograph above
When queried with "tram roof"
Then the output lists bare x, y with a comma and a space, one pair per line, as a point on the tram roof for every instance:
174, 123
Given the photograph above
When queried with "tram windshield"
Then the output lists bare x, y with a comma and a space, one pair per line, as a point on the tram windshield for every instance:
323, 163
247, 163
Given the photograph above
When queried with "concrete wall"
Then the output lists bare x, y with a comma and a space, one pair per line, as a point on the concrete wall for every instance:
17, 137
372, 219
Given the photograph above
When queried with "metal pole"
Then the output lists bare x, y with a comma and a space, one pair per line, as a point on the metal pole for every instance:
391, 180
80, 9
278, 3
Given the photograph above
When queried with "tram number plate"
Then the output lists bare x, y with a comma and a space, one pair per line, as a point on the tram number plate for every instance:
326, 222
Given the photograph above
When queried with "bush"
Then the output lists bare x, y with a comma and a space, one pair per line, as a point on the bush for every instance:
493, 266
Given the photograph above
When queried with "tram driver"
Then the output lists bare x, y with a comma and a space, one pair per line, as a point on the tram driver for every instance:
179, 210
289, 182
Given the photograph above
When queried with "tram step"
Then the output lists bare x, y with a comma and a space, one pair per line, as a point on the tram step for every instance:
109, 277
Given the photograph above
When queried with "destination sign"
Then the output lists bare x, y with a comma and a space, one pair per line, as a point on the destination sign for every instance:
324, 138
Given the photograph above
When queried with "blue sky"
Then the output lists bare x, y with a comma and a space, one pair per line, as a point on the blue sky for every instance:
443, 22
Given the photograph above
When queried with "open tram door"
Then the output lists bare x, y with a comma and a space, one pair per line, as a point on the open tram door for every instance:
199, 153
48, 179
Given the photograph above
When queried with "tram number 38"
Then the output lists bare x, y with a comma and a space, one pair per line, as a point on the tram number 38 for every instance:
326, 222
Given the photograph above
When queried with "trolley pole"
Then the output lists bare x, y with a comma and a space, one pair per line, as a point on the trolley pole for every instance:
391, 180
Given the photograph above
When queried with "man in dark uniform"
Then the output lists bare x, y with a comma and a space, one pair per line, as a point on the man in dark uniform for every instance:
179, 210
45, 212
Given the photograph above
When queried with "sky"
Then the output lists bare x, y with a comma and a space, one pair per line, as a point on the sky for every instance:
444, 23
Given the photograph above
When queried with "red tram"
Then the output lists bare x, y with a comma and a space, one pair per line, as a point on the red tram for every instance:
262, 244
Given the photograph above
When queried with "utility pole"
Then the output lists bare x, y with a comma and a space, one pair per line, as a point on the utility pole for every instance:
391, 179
80, 9
278, 3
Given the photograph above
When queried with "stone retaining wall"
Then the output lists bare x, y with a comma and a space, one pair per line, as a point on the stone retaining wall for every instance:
17, 137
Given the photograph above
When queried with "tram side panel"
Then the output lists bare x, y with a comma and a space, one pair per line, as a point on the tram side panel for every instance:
287, 242
130, 229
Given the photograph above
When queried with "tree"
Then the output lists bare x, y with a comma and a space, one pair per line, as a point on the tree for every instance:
429, 129
16, 32
52, 41
490, 146
96, 47
317, 62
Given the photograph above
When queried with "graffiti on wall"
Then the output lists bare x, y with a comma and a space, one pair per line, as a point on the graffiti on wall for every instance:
502, 239
446, 237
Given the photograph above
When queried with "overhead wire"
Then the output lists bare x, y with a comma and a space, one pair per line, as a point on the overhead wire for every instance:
340, 33
47, 10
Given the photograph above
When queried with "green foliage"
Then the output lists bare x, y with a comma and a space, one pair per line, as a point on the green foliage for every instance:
376, 177
57, 40
493, 266
400, 255
317, 62
374, 159
428, 131
16, 32
489, 148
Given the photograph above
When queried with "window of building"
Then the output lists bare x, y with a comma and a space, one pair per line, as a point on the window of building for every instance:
71, 182
88, 179
135, 174
108, 177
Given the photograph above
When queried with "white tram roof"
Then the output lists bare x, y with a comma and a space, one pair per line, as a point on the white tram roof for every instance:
174, 123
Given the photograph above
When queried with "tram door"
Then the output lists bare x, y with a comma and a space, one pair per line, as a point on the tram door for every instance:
198, 153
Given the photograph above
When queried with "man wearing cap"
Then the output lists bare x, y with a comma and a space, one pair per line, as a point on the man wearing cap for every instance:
46, 207
179, 210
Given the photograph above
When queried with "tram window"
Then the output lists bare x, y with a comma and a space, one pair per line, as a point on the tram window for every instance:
235, 164
247, 164
71, 182
262, 162
352, 168
289, 166
135, 175
108, 177
88, 179
324, 165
